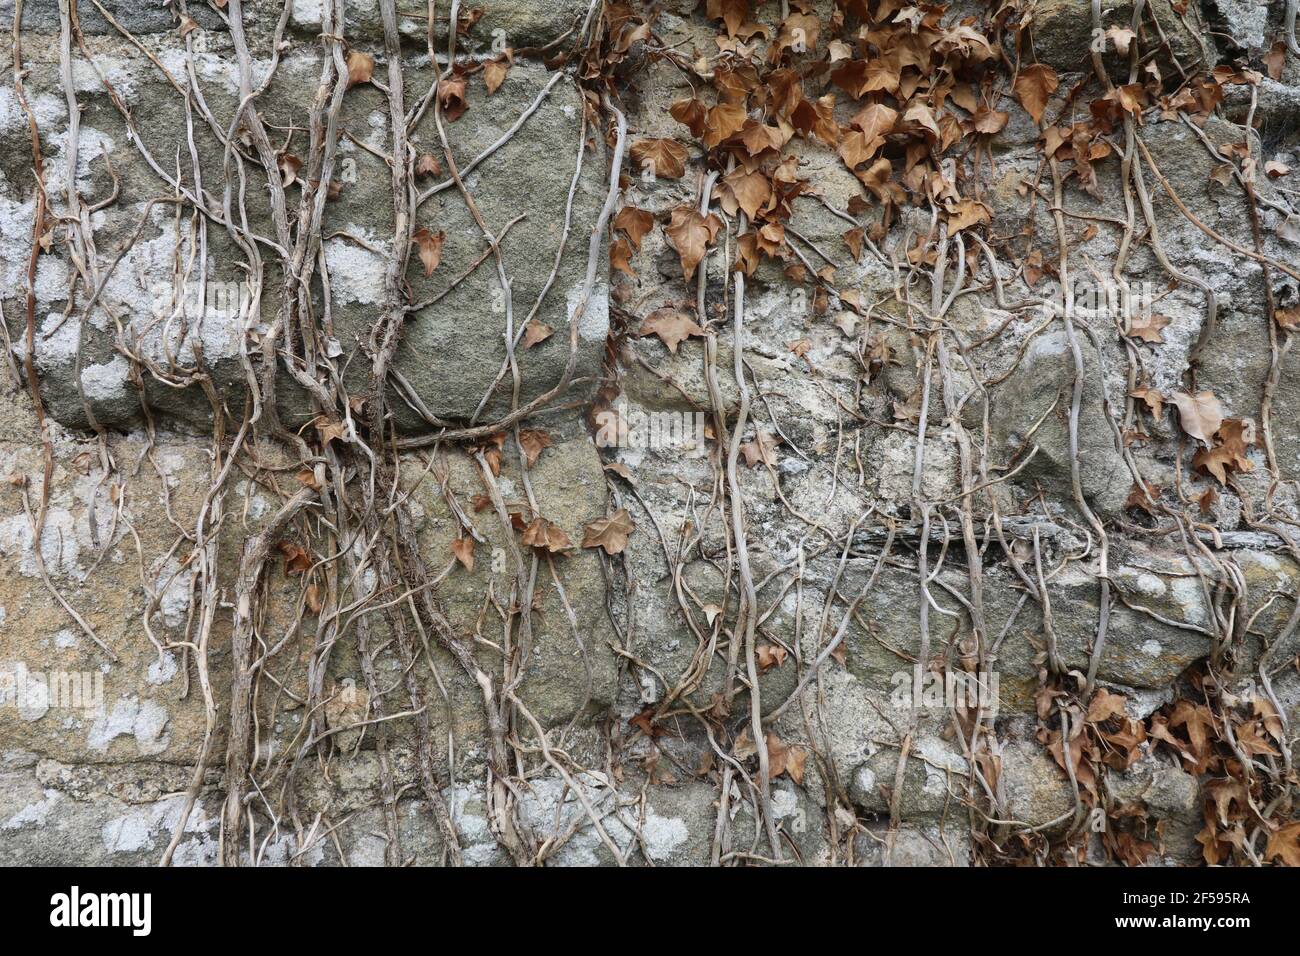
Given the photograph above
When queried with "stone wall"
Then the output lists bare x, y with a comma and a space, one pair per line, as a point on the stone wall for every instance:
382, 488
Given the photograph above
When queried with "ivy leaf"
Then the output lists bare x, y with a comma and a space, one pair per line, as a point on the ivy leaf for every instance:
533, 441
743, 190
620, 257
1236, 435
1284, 845
544, 536
1200, 414
451, 97
610, 533
783, 759
721, 121
1121, 37
690, 234
989, 121
635, 224
672, 327
430, 247
661, 158
966, 213
296, 559
1034, 87
494, 73
463, 549
770, 656
428, 165
761, 449
1148, 328
535, 332
361, 67
1154, 399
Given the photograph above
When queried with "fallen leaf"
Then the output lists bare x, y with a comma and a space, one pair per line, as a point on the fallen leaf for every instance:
1200, 414
533, 441
610, 533
494, 74
544, 536
1148, 328
634, 223
1034, 87
535, 332
463, 549
361, 67
671, 326
690, 234
430, 248
659, 158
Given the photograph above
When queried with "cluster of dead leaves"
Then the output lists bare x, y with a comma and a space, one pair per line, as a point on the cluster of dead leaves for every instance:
782, 758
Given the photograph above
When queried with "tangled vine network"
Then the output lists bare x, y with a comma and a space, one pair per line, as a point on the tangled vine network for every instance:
910, 103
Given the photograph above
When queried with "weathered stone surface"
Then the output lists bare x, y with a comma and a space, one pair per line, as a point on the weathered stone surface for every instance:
453, 351
1036, 790
1063, 31
634, 664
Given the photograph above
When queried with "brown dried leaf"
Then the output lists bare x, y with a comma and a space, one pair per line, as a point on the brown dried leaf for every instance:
544, 536
610, 533
494, 74
428, 165
761, 449
1034, 87
535, 332
361, 67
672, 327
635, 224
769, 656
1148, 328
463, 549
429, 245
660, 158
534, 441
1200, 414
690, 234
296, 559
1154, 399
